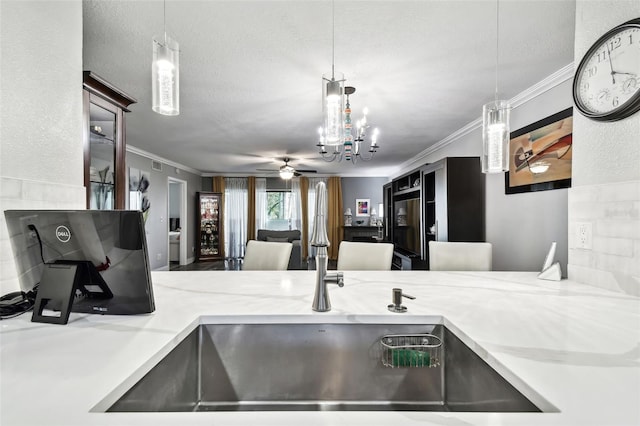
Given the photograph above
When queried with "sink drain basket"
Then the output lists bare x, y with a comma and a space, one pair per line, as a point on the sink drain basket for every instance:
411, 350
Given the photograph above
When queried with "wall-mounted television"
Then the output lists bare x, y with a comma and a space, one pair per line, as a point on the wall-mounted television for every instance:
406, 227
103, 252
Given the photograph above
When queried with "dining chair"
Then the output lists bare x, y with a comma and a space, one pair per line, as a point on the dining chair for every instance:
454, 256
266, 256
356, 256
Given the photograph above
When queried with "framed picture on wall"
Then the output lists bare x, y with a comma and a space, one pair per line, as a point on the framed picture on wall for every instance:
540, 155
362, 206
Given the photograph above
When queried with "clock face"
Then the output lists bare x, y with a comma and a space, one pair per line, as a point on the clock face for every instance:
607, 81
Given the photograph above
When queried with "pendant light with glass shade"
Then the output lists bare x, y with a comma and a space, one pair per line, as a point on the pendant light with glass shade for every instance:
165, 73
495, 124
336, 131
333, 96
352, 149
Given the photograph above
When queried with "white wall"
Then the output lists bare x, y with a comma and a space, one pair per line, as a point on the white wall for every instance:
41, 147
606, 182
607, 152
521, 227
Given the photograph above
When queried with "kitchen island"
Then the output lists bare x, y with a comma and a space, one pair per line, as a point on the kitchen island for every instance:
576, 347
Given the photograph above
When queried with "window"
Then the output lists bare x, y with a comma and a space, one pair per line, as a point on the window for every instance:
280, 206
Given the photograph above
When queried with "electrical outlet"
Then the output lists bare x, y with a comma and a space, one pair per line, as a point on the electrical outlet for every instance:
159, 256
584, 235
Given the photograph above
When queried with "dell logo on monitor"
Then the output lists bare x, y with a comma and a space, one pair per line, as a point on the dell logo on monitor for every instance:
63, 234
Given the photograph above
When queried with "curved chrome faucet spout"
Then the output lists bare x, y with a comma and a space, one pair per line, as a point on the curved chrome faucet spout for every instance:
319, 236
320, 240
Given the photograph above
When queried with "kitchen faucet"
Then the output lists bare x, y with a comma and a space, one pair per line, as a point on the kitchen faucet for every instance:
320, 241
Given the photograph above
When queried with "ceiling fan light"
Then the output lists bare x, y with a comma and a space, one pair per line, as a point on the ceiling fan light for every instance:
286, 174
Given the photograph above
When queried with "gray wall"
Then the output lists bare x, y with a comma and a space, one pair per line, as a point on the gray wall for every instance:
157, 225
521, 227
277, 184
362, 187
207, 183
41, 147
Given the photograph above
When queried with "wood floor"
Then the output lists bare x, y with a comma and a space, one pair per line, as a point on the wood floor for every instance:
213, 265
232, 265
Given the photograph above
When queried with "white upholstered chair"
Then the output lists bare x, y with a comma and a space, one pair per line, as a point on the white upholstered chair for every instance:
448, 256
266, 256
364, 256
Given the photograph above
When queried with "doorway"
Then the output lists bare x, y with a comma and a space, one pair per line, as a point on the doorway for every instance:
177, 214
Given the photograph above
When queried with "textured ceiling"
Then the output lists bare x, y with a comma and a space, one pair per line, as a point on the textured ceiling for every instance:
250, 72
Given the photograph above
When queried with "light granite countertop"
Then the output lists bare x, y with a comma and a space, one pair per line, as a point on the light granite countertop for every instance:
575, 347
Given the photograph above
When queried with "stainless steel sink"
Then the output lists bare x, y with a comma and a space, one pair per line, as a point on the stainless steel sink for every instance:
334, 366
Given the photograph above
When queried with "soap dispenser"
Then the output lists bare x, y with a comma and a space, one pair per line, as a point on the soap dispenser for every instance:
396, 298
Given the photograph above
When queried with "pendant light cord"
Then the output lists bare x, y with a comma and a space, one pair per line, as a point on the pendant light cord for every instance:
497, 44
164, 20
333, 39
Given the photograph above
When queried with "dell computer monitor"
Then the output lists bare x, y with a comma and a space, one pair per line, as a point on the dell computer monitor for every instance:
107, 247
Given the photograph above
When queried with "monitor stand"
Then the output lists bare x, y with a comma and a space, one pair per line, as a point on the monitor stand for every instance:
61, 282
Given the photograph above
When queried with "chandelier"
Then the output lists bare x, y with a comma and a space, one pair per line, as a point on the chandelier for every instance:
350, 148
336, 131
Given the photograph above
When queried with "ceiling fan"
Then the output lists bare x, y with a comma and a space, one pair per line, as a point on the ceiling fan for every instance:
286, 171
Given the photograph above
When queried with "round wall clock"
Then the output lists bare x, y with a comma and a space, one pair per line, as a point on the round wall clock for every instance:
606, 86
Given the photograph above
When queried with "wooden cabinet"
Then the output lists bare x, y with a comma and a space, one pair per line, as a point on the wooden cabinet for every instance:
209, 226
406, 262
405, 224
362, 233
104, 108
407, 184
441, 201
387, 218
453, 201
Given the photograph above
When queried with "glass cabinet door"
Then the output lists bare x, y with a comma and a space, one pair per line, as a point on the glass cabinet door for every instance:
104, 143
102, 153
209, 226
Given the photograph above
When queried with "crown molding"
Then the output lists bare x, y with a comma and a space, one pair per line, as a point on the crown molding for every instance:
234, 174
155, 157
563, 74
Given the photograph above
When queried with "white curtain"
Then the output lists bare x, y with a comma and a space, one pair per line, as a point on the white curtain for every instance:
311, 209
261, 204
235, 216
295, 205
